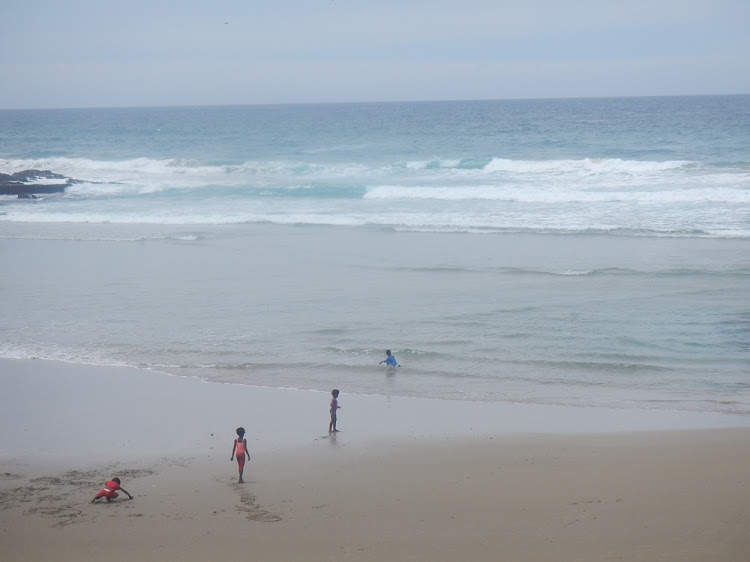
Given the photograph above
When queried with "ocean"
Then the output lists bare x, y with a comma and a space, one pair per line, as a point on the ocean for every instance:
579, 252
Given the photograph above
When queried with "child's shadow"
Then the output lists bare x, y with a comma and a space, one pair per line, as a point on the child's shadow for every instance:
235, 484
331, 437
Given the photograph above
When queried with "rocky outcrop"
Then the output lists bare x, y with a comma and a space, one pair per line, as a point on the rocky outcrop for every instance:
26, 184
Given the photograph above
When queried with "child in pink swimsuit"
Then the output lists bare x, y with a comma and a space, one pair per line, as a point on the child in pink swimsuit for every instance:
240, 448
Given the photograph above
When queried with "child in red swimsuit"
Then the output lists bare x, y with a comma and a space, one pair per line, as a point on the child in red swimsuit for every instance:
109, 492
240, 448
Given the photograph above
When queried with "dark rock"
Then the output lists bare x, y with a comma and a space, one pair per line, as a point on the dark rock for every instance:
24, 189
26, 176
21, 183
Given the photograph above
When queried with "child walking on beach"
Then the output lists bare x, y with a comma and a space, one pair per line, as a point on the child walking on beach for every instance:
240, 448
109, 492
334, 406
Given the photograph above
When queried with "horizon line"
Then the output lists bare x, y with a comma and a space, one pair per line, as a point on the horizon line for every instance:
370, 102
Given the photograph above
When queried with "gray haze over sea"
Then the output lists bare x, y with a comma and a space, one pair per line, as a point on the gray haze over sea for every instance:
586, 252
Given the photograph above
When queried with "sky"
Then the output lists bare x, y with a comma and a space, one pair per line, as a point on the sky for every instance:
95, 53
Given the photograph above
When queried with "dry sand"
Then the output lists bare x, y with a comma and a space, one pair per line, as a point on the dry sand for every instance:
440, 490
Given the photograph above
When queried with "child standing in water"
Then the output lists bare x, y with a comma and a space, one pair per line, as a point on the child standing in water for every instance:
240, 448
390, 360
334, 406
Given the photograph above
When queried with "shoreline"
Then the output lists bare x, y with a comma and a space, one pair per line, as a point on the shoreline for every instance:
404, 479
290, 345
195, 413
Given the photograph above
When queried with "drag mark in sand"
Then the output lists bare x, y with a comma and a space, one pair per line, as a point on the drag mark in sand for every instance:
11, 476
62, 499
588, 510
249, 506
61, 515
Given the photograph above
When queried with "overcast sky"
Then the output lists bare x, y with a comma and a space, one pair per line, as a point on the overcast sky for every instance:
97, 53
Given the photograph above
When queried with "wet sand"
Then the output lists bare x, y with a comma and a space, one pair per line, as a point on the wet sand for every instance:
403, 480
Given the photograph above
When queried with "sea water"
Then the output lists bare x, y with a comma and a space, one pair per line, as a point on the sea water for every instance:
588, 252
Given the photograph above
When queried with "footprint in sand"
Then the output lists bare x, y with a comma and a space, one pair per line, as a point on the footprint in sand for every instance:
249, 506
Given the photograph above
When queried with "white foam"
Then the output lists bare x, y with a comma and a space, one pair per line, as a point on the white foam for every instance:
585, 166
434, 195
565, 193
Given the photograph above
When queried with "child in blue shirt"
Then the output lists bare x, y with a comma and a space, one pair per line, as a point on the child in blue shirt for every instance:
390, 360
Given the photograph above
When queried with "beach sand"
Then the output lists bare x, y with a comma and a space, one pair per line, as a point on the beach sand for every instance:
405, 479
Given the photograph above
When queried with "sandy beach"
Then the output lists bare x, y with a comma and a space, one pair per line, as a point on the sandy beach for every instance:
405, 479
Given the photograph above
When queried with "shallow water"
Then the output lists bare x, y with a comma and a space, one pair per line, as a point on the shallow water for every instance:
582, 252
584, 320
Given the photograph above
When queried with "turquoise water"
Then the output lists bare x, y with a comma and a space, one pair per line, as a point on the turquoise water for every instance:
674, 166
582, 252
